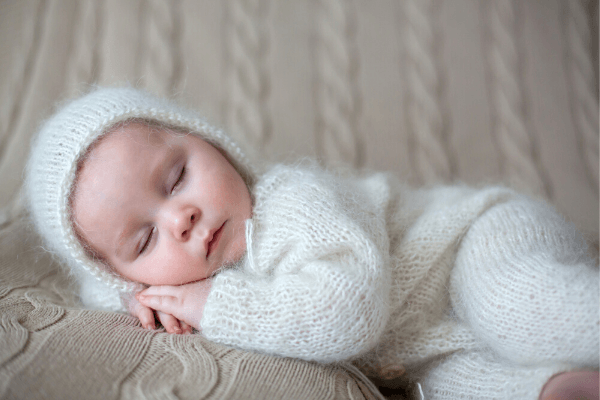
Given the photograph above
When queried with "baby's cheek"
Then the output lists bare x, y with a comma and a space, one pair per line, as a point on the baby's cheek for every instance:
175, 267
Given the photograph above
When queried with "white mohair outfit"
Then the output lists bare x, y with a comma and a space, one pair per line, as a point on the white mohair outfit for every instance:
478, 293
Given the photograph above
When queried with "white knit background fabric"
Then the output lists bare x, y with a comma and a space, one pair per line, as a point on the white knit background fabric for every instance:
468, 90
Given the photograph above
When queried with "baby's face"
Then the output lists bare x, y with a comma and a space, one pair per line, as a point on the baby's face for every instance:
160, 207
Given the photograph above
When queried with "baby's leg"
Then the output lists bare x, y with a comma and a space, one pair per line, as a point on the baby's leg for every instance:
525, 284
482, 375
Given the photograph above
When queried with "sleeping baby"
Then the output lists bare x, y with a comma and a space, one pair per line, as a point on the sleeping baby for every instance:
471, 292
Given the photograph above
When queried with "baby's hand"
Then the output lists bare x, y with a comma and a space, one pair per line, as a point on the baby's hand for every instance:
185, 302
146, 317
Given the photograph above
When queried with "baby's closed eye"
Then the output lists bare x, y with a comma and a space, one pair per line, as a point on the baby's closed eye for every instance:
179, 179
146, 240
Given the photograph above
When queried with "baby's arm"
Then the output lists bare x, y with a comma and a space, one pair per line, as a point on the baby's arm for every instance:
315, 284
320, 313
326, 312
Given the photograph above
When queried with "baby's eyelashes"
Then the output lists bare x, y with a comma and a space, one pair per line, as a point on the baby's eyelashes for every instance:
180, 179
147, 239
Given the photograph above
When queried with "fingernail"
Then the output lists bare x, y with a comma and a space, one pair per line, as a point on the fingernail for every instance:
152, 326
177, 330
140, 297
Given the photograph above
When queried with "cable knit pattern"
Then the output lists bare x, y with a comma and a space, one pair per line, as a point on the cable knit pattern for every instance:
48, 45
86, 67
583, 89
21, 76
336, 92
426, 113
160, 60
246, 46
516, 141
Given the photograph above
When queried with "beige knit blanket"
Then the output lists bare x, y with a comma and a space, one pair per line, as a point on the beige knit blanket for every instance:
501, 91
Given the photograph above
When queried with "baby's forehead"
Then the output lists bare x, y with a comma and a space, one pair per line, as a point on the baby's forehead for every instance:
132, 137
140, 133
119, 149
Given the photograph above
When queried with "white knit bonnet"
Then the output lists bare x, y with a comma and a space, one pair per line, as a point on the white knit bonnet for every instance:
65, 138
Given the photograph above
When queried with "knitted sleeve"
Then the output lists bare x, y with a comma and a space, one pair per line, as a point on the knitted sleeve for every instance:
315, 284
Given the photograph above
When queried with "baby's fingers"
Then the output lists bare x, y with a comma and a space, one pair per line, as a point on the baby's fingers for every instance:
166, 304
165, 290
145, 315
185, 327
170, 323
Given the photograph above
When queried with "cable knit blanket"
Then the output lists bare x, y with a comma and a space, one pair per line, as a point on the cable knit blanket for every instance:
435, 91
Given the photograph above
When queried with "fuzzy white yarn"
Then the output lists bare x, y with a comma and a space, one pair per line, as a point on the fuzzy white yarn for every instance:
316, 287
64, 139
392, 277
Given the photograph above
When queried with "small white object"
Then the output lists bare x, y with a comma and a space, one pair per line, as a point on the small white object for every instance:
421, 395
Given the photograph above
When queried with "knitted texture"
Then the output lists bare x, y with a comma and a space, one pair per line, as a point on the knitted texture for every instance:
523, 273
314, 285
435, 280
425, 227
482, 376
396, 278
64, 139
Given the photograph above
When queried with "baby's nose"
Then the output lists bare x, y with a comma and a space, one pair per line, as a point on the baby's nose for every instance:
184, 221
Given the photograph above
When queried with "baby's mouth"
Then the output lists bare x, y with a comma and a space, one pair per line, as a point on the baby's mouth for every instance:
214, 241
